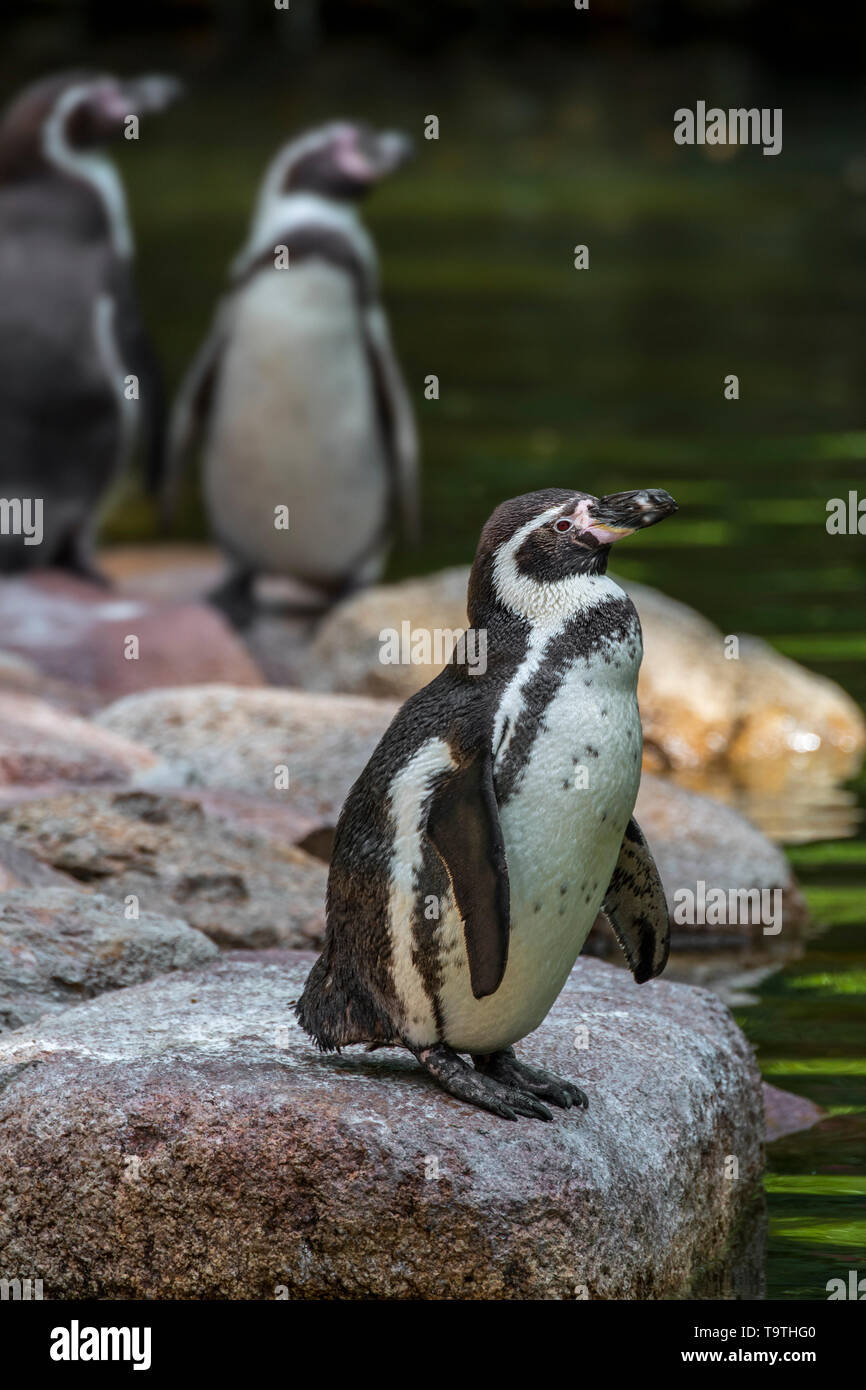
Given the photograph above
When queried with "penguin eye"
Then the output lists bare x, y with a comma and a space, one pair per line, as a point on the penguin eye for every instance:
563, 524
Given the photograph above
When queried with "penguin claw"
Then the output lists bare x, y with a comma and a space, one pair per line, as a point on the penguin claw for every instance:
467, 1083
505, 1068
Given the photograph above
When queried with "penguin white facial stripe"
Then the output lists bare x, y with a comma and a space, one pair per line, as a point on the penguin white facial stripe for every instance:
409, 793
94, 169
284, 161
545, 603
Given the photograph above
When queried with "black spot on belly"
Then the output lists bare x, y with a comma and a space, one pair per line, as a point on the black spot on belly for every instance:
563, 888
590, 751
537, 907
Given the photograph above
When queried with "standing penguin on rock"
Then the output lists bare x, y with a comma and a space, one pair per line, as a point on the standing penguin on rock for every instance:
309, 438
505, 800
70, 332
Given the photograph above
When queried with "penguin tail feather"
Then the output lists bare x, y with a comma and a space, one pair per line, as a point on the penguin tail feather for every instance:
336, 1010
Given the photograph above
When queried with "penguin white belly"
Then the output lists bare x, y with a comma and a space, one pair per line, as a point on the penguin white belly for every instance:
295, 424
562, 842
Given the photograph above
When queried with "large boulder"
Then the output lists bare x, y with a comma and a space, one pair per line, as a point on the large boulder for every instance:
176, 858
346, 654
247, 741
183, 1139
77, 631
59, 947
703, 699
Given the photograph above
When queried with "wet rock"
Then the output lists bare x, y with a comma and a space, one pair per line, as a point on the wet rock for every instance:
695, 840
700, 847
248, 741
239, 888
41, 744
78, 632
59, 947
788, 1113
184, 1140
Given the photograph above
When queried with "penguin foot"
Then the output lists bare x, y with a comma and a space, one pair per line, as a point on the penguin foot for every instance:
235, 598
466, 1083
505, 1068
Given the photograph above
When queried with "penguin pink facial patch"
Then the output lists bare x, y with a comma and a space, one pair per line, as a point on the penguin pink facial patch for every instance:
351, 160
605, 535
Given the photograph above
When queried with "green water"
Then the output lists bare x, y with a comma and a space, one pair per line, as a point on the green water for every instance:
608, 379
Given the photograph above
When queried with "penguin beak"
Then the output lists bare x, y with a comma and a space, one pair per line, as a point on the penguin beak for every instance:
395, 149
151, 93
622, 513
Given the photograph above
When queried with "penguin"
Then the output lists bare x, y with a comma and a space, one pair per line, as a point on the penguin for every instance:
495, 818
297, 391
70, 331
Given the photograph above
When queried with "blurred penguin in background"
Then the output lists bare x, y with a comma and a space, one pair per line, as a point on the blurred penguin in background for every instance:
76, 367
310, 451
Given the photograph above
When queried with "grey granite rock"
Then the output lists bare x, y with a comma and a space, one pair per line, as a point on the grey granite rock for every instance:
183, 1139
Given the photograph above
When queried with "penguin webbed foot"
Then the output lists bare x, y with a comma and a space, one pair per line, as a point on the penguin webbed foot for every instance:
505, 1068
467, 1083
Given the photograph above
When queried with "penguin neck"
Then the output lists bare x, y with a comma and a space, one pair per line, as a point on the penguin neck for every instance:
88, 169
499, 591
277, 215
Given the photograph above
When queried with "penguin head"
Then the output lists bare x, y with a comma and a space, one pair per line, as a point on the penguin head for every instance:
532, 546
74, 111
343, 160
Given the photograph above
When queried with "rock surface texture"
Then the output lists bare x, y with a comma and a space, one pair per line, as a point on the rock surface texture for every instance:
194, 1105
59, 947
251, 741
43, 745
241, 889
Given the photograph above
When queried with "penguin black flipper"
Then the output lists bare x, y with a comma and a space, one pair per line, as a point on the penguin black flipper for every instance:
636, 907
139, 356
463, 826
396, 419
192, 407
